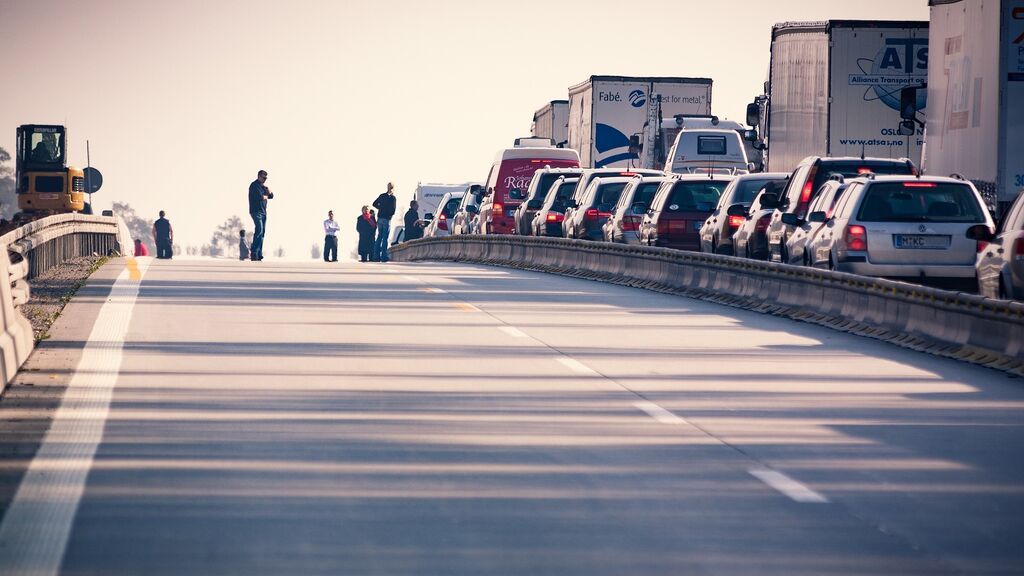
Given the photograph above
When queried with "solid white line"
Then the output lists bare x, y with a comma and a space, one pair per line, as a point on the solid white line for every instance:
433, 290
35, 529
513, 331
659, 413
788, 486
575, 366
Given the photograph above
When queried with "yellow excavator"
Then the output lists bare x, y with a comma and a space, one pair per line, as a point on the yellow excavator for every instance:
45, 183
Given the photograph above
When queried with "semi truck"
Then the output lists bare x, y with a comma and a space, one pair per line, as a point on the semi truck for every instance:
975, 122
605, 111
833, 89
552, 121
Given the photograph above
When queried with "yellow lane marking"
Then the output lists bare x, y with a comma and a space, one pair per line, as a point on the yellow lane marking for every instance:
133, 270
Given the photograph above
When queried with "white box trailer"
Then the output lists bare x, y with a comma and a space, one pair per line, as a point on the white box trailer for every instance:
834, 89
975, 125
552, 121
604, 111
429, 195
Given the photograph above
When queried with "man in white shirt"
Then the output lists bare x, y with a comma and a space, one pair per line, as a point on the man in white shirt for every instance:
330, 238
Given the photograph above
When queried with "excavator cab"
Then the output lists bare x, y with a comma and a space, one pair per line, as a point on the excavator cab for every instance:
45, 183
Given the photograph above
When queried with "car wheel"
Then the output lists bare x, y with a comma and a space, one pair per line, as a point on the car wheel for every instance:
1004, 294
783, 254
831, 261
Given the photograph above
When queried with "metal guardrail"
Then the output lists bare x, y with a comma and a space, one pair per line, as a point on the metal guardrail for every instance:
964, 326
30, 251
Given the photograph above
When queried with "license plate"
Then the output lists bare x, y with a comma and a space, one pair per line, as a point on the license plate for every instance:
920, 241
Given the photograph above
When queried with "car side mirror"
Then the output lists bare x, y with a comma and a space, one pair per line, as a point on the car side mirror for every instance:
753, 114
605, 207
737, 210
638, 208
515, 194
981, 232
428, 216
750, 135
791, 219
817, 217
470, 208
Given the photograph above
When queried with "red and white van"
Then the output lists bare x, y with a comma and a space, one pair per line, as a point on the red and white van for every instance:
510, 176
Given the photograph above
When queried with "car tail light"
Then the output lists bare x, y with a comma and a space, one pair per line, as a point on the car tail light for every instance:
805, 193
497, 209
555, 217
856, 238
591, 214
762, 223
442, 222
863, 170
629, 223
736, 221
919, 184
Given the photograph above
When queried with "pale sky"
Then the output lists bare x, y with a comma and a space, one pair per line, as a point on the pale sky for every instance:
184, 101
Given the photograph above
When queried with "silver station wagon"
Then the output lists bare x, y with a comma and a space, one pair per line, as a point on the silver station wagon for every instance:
904, 227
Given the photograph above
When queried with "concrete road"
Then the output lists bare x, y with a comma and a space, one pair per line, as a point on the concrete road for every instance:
442, 419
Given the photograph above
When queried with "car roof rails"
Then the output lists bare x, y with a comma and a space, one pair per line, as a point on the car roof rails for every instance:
957, 176
837, 177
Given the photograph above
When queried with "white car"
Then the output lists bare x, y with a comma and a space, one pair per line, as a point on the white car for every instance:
905, 227
446, 208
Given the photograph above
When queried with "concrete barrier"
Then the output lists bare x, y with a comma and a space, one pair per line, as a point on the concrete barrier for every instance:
33, 249
964, 326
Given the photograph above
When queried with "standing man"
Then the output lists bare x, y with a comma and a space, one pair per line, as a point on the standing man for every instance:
413, 224
385, 205
258, 196
331, 228
163, 235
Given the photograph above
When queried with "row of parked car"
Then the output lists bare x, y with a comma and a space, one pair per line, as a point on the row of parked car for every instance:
869, 216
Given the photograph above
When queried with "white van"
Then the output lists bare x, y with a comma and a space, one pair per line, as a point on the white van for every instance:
708, 151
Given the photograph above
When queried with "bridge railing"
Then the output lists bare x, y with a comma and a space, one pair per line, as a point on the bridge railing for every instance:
952, 324
31, 250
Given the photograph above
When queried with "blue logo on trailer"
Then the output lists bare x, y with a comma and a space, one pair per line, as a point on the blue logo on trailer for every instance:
637, 98
900, 63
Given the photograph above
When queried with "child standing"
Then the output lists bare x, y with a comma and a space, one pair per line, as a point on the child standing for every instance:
243, 248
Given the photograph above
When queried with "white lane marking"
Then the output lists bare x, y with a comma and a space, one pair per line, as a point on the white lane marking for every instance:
575, 366
411, 279
35, 529
659, 413
788, 486
433, 290
513, 331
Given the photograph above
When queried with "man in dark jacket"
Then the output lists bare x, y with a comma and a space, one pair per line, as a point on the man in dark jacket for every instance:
413, 224
258, 196
163, 235
385, 205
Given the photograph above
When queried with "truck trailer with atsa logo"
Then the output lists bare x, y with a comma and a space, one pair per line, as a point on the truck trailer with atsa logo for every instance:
833, 89
975, 124
604, 111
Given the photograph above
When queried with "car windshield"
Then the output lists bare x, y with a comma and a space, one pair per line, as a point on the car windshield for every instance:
695, 195
920, 202
609, 193
543, 187
644, 193
562, 192
747, 188
451, 207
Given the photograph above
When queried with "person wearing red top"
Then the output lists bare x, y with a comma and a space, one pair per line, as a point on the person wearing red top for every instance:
140, 248
366, 226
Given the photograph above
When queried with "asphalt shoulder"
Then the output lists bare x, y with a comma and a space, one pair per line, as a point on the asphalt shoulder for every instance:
28, 405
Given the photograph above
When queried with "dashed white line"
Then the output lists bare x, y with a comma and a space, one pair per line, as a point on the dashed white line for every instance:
788, 486
512, 331
575, 366
432, 290
659, 413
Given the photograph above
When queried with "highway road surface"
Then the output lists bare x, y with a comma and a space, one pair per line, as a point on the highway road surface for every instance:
442, 419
